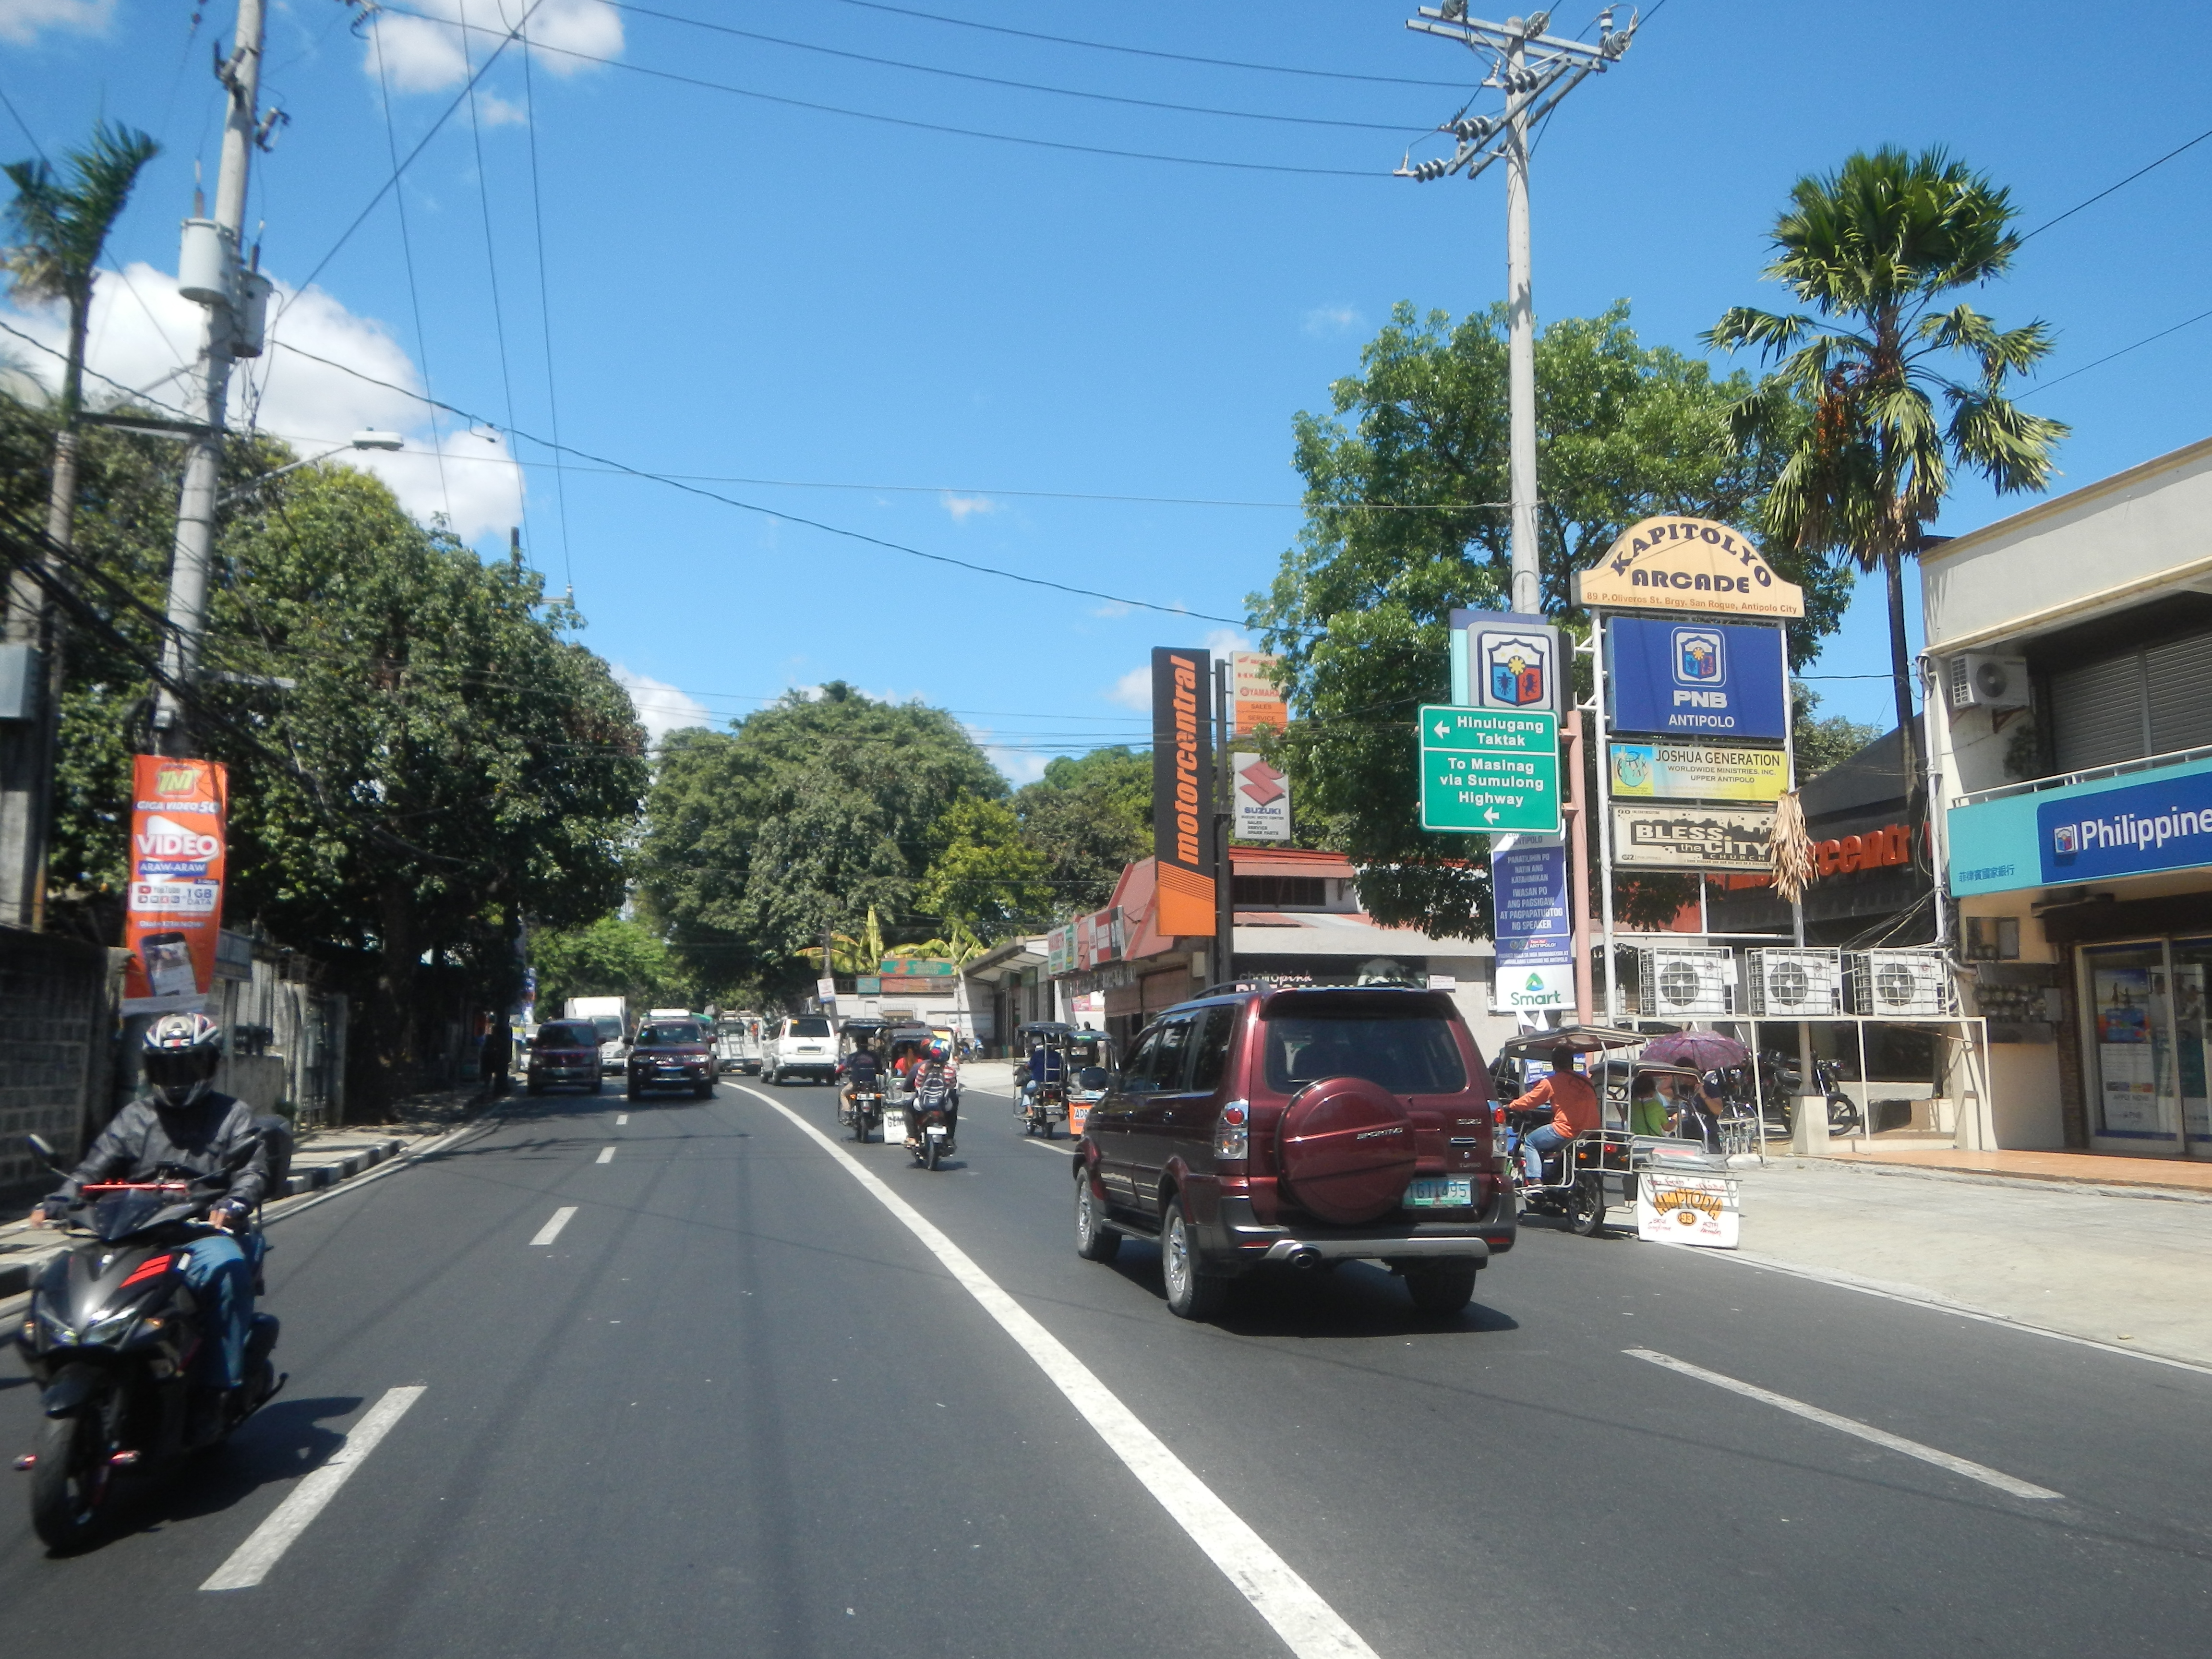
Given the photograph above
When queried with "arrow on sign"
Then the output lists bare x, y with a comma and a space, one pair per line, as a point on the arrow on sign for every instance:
1490, 815
1443, 730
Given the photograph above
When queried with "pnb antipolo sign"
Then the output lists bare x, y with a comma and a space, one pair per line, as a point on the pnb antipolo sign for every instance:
1486, 770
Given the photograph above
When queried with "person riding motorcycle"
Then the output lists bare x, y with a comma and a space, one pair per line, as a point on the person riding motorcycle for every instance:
184, 1129
1574, 1112
931, 1064
861, 1071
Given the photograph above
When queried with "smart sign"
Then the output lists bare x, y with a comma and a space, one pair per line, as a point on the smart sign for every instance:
1694, 680
1485, 770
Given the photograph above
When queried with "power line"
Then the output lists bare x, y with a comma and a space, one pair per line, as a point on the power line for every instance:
2045, 386
1061, 144
1148, 51
774, 513
2123, 184
407, 249
1003, 81
491, 260
26, 125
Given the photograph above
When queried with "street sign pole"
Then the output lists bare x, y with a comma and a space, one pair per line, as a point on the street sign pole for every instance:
1486, 771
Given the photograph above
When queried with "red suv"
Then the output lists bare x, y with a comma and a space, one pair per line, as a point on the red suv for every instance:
1302, 1126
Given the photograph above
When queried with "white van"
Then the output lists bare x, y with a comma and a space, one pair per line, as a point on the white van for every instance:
802, 1045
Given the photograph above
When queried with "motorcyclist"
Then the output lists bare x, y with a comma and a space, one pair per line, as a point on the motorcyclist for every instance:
933, 1064
1574, 1112
861, 1071
183, 1128
1048, 1067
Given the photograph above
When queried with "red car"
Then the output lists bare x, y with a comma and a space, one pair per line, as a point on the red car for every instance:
1300, 1126
564, 1051
672, 1053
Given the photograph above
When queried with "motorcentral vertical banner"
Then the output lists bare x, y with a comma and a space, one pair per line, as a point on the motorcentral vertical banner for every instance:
1183, 790
173, 908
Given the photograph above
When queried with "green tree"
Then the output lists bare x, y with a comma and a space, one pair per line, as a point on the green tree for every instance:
612, 956
796, 821
1404, 524
1088, 817
989, 878
1881, 249
1821, 741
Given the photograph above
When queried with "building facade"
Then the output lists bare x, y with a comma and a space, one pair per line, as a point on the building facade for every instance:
2069, 725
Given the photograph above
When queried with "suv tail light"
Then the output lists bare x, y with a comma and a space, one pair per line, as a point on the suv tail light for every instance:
1232, 1135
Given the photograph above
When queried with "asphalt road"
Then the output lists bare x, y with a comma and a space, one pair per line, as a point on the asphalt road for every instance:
737, 1405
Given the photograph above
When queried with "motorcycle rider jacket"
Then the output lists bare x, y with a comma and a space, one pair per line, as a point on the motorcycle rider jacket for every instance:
146, 1142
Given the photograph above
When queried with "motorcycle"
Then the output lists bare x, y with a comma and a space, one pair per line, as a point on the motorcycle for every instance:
109, 1337
933, 1128
865, 1113
1042, 1109
1782, 1081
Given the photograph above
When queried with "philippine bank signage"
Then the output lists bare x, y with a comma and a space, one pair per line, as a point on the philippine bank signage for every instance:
1701, 679
2099, 831
1676, 563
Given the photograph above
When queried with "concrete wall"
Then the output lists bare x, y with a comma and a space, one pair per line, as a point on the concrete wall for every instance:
57, 1023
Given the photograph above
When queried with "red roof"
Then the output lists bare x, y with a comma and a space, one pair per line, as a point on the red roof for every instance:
1288, 861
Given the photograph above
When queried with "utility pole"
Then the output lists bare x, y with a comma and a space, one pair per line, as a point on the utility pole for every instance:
210, 272
1534, 70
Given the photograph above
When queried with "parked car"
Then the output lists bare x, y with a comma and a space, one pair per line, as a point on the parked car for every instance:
672, 1053
1305, 1126
563, 1052
802, 1045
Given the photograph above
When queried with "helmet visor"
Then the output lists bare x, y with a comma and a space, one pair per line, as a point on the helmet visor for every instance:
180, 1070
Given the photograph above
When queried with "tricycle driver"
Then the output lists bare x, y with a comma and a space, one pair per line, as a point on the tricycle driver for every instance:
1574, 1111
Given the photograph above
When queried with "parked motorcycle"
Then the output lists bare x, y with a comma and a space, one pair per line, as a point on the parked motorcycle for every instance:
109, 1336
1783, 1081
930, 1108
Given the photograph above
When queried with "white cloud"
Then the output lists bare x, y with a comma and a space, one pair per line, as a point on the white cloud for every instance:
425, 54
20, 21
1133, 689
1019, 766
1332, 322
963, 507
661, 707
1112, 611
1222, 641
144, 334
495, 110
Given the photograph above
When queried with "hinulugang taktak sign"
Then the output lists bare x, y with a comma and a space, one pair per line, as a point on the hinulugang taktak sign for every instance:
1676, 563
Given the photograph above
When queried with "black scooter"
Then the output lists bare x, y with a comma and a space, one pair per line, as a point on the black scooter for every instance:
928, 1111
110, 1335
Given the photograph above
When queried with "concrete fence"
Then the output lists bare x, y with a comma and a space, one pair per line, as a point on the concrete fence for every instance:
58, 1002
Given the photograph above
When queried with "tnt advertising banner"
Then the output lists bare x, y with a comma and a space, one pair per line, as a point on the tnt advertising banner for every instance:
1695, 679
173, 909
1502, 660
1183, 790
1259, 800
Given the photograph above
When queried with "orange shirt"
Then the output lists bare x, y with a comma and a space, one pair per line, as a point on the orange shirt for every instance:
1573, 1103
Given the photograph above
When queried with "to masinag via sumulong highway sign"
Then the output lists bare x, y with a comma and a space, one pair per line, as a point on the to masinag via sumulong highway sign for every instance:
1490, 770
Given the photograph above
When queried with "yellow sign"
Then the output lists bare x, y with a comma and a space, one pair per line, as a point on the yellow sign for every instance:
1674, 563
1665, 770
1257, 700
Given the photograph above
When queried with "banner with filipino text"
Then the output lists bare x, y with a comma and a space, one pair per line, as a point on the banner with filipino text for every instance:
173, 909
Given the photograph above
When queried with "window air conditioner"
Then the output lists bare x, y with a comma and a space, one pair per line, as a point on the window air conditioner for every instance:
1793, 984
1980, 679
1901, 984
1685, 983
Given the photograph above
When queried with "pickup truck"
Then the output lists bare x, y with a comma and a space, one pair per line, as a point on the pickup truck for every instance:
802, 1045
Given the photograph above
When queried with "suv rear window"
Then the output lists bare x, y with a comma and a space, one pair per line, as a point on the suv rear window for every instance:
1405, 1045
567, 1036
810, 1027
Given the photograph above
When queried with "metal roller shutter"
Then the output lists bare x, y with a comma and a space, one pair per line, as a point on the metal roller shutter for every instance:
2179, 675
2098, 715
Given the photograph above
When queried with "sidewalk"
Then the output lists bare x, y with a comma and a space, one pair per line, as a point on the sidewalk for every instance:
2173, 1175
324, 1159
2068, 1249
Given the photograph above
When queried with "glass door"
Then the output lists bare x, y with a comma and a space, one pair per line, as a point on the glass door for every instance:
2137, 1095
2192, 982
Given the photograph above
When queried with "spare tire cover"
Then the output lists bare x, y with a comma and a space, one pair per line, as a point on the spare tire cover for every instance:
1346, 1150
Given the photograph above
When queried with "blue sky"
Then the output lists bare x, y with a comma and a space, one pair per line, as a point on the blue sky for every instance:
965, 345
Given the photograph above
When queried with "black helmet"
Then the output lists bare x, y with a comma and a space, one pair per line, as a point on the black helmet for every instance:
181, 1054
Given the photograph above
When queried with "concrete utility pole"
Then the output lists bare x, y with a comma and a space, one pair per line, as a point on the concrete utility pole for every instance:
210, 272
1534, 70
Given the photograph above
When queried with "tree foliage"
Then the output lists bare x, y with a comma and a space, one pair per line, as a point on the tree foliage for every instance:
1404, 484
1087, 818
989, 878
613, 956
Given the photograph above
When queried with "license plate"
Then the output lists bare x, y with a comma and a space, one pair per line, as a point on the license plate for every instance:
1441, 1193
935, 1132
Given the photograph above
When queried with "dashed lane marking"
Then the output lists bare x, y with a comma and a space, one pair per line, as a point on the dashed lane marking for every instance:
250, 1562
621, 1118
1310, 1627
1851, 1426
551, 1230
606, 1155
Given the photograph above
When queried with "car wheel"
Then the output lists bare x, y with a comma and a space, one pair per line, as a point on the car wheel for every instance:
1441, 1291
1192, 1293
1094, 1240
634, 1090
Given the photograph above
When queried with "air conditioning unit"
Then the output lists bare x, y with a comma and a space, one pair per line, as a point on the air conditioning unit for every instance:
1685, 983
1793, 984
1981, 680
1901, 984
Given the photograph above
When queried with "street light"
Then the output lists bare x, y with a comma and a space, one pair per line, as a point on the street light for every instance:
368, 438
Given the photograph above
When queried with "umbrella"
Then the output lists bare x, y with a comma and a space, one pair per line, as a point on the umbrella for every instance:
1709, 1051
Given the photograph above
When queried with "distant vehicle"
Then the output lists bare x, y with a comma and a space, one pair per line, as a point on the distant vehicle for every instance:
802, 1045
612, 1016
738, 1042
672, 1053
564, 1051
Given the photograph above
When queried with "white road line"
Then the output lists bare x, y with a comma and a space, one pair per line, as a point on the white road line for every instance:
1896, 1442
606, 1155
551, 1230
621, 1118
1310, 1627
250, 1562
1066, 1150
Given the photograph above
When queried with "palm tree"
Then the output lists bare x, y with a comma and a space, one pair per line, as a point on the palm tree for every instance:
1879, 248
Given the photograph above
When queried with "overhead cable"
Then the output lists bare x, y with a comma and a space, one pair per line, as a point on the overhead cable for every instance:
2124, 183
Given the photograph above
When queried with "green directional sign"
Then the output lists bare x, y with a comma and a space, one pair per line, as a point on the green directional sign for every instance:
1490, 770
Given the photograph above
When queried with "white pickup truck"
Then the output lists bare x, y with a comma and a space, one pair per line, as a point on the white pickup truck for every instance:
801, 1045
737, 1042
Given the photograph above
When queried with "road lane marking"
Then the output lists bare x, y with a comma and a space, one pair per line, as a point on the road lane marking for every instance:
250, 1562
1896, 1442
1310, 1627
1067, 1150
606, 1155
551, 1230
621, 1118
